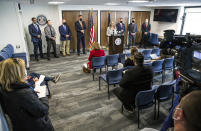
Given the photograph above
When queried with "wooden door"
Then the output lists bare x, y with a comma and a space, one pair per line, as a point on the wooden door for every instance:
140, 17
104, 25
124, 15
114, 16
72, 16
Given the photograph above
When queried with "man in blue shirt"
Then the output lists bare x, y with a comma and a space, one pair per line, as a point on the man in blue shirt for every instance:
35, 32
65, 35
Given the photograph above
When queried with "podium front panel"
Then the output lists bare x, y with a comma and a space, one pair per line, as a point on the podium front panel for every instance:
116, 44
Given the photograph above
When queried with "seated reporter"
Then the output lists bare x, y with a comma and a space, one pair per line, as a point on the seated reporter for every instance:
35, 79
26, 111
95, 52
130, 60
137, 79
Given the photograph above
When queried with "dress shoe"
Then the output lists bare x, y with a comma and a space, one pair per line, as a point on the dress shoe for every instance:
48, 58
56, 78
56, 56
78, 54
37, 59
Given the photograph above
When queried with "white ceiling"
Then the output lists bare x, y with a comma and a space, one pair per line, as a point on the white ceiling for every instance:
119, 2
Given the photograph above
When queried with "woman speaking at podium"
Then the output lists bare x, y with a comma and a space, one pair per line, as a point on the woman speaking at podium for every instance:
111, 30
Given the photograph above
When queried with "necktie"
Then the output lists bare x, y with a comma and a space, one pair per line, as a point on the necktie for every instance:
51, 31
81, 24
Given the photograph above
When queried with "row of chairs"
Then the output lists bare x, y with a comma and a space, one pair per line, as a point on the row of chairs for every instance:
105, 62
158, 94
147, 53
113, 60
113, 77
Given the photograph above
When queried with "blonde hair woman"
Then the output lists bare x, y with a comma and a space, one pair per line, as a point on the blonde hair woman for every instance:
111, 30
26, 111
130, 61
95, 52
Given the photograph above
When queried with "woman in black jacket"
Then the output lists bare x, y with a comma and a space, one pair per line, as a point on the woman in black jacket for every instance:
26, 111
130, 60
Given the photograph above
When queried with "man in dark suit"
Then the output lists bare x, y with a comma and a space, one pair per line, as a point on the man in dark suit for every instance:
120, 27
35, 32
65, 35
137, 79
146, 27
80, 27
132, 29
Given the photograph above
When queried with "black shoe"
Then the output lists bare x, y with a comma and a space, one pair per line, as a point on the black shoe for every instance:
56, 78
78, 54
48, 58
37, 59
56, 56
42, 57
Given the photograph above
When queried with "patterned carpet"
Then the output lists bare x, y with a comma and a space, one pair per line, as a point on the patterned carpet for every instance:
78, 105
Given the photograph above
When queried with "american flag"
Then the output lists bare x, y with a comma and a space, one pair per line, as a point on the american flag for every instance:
92, 32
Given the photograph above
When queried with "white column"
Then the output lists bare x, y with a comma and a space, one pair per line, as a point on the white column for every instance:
99, 26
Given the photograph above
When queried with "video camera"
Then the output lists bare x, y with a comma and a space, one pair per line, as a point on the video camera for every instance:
187, 52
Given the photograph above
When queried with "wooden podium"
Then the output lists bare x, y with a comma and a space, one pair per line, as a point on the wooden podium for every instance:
116, 44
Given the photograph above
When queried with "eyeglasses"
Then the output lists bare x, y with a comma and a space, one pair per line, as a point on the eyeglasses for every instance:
175, 113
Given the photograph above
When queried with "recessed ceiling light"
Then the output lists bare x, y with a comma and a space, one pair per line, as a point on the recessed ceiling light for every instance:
139, 1
55, 2
111, 4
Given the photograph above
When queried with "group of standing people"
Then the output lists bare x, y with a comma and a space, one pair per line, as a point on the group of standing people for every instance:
132, 30
50, 35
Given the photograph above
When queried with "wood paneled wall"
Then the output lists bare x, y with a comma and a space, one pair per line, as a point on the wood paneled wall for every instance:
104, 23
140, 17
72, 16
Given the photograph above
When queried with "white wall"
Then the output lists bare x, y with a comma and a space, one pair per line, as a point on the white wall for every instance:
159, 27
50, 11
11, 27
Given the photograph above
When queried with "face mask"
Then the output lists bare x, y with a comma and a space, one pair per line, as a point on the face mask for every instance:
133, 21
121, 21
80, 19
64, 23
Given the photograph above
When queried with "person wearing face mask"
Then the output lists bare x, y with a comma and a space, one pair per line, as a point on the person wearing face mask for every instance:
120, 27
187, 115
35, 32
50, 35
132, 29
80, 27
146, 27
65, 35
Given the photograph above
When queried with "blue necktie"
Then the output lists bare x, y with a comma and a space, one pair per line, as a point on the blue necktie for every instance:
64, 27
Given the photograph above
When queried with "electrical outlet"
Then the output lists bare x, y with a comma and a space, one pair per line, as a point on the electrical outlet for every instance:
17, 46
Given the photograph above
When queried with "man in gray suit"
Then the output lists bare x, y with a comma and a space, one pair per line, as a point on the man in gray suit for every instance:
132, 29
50, 35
